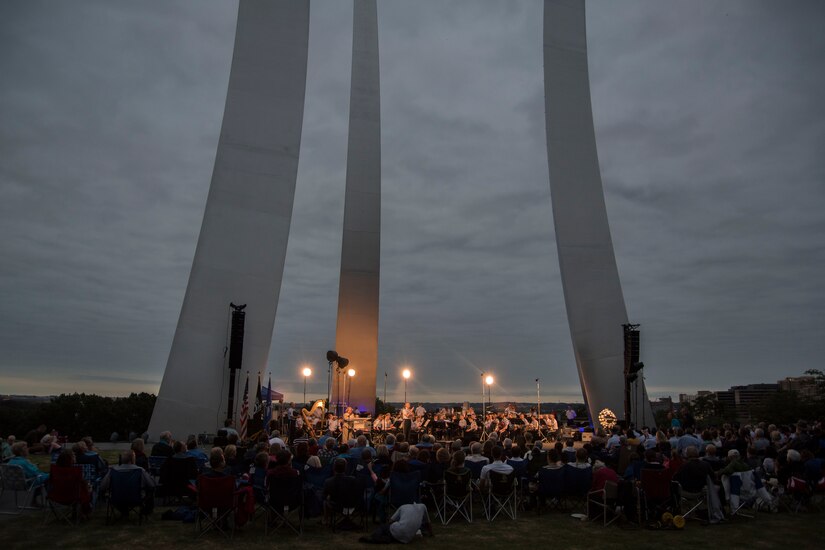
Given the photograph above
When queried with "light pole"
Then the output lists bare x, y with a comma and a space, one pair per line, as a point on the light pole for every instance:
538, 399
483, 404
306, 372
350, 374
490, 381
385, 388
406, 375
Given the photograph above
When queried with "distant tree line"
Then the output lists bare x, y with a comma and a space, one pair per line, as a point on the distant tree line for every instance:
79, 414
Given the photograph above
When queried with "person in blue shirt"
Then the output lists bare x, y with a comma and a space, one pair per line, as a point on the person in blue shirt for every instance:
193, 450
20, 450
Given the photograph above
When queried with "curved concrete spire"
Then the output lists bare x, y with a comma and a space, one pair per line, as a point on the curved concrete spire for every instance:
357, 331
592, 291
242, 243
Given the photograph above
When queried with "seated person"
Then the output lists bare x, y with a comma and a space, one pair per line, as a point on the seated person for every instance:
193, 450
147, 482
217, 464
601, 475
337, 487
86, 456
64, 462
282, 467
164, 446
20, 452
139, 448
496, 466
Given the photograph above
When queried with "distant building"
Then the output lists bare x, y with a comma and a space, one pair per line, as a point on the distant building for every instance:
804, 386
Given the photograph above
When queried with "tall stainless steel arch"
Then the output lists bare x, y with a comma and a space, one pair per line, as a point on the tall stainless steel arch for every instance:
242, 243
592, 291
357, 330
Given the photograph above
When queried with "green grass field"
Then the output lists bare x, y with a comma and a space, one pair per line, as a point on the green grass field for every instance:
798, 531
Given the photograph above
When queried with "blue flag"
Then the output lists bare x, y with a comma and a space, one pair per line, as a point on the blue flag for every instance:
268, 406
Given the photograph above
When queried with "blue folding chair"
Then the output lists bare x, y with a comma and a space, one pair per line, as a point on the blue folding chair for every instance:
405, 488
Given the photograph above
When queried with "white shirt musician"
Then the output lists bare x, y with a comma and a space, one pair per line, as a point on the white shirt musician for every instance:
347, 424
420, 410
552, 423
503, 425
333, 425
407, 416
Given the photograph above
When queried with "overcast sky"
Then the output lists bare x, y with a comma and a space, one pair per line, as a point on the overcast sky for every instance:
710, 128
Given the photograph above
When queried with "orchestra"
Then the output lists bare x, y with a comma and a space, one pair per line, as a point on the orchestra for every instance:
444, 424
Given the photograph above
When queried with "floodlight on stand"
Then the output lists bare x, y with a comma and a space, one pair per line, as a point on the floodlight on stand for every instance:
351, 373
332, 356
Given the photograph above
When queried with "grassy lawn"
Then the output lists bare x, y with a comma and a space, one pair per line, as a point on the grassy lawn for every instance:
559, 529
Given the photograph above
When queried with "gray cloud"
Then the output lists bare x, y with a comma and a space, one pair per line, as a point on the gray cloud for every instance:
710, 128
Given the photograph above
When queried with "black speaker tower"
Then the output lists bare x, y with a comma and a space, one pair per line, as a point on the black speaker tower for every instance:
632, 365
236, 331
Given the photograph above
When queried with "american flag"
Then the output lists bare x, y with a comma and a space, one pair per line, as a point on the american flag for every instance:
244, 410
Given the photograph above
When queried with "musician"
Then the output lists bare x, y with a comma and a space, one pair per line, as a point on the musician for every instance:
509, 411
333, 425
347, 424
503, 425
406, 417
533, 424
553, 425
420, 411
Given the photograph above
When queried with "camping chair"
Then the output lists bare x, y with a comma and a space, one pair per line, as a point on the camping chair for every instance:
577, 482
603, 502
260, 490
348, 501
314, 479
64, 494
551, 487
176, 477
456, 497
403, 488
433, 484
797, 494
92, 477
156, 465
502, 495
745, 489
126, 495
13, 478
520, 468
656, 493
691, 502
285, 497
367, 484
475, 474
215, 505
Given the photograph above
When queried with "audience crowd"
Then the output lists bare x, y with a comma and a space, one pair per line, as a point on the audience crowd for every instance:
698, 460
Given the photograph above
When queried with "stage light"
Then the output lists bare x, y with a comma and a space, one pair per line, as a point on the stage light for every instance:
307, 371
342, 362
332, 356
489, 380
351, 373
406, 374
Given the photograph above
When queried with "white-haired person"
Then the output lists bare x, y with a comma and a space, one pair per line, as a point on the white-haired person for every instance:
33, 474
